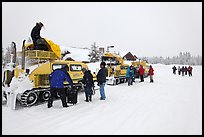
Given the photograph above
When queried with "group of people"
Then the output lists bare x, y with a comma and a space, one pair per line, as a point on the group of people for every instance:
131, 74
184, 70
58, 76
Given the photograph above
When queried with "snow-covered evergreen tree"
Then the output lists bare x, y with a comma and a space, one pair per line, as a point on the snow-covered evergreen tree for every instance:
94, 55
7, 55
3, 57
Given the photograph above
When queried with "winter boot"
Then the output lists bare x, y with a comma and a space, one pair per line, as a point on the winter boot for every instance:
87, 100
90, 98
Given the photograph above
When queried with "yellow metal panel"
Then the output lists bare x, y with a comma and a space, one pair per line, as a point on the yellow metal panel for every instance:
54, 48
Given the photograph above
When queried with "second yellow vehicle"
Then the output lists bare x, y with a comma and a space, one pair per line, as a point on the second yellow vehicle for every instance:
116, 68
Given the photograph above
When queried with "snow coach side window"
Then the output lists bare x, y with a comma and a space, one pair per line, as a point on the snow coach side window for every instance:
122, 67
58, 66
75, 67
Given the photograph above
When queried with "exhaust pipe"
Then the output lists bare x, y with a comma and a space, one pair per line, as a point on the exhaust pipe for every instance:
23, 55
14, 46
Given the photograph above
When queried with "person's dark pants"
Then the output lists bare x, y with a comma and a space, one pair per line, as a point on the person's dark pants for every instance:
130, 80
141, 78
190, 74
62, 94
88, 93
151, 78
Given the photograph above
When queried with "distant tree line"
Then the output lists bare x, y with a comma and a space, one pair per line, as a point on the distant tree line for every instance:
184, 58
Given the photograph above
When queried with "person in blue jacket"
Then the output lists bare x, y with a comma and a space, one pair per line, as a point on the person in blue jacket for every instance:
57, 78
130, 75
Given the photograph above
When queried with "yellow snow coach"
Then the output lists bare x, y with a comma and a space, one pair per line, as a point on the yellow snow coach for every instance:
33, 82
136, 64
116, 68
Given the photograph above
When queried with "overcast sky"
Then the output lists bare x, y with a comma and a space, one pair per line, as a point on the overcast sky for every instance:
147, 29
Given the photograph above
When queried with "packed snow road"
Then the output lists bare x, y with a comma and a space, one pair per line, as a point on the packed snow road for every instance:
170, 105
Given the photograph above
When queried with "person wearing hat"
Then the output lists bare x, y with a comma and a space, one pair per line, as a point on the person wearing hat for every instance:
35, 33
101, 79
57, 78
89, 84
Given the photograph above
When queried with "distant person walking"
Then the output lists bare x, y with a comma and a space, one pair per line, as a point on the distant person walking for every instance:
186, 70
141, 73
190, 71
101, 79
57, 78
89, 84
174, 69
179, 70
182, 70
151, 73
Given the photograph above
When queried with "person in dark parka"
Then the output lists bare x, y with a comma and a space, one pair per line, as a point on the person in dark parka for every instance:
101, 79
182, 70
174, 69
190, 70
57, 78
186, 70
89, 84
35, 34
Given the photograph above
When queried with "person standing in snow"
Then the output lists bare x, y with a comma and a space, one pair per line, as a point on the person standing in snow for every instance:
89, 84
141, 73
182, 70
174, 69
190, 71
101, 79
57, 78
151, 73
186, 70
130, 75
179, 70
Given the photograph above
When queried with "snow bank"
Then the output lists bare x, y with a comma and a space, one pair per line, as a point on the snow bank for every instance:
76, 53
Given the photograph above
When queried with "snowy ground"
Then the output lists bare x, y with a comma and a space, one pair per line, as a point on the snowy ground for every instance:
170, 105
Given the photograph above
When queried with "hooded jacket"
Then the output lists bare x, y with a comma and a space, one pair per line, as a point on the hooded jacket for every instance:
57, 78
88, 79
128, 72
